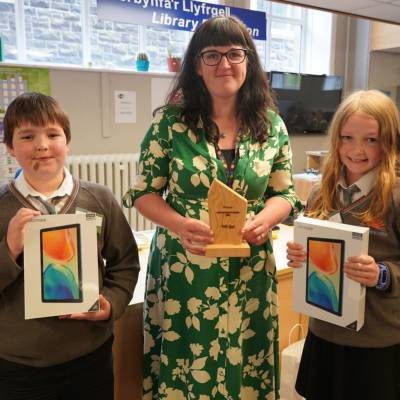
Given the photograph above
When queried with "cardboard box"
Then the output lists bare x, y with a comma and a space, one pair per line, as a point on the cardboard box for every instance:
321, 289
60, 265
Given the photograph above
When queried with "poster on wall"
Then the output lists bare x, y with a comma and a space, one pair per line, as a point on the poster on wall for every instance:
17, 80
125, 106
185, 15
13, 82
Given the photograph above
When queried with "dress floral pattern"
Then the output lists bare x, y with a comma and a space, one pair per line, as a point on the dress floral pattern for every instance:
210, 324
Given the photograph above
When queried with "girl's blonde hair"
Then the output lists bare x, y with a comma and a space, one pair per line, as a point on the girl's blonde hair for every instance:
376, 105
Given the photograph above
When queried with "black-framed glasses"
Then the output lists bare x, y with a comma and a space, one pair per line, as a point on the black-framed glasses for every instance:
214, 57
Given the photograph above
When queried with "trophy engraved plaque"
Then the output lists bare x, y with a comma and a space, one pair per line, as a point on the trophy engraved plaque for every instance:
227, 212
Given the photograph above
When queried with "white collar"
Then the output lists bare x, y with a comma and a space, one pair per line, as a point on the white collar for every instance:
365, 183
65, 189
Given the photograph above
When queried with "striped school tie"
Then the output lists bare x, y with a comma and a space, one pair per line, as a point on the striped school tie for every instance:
50, 205
348, 194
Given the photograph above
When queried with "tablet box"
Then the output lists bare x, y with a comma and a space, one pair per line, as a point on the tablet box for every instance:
321, 289
60, 265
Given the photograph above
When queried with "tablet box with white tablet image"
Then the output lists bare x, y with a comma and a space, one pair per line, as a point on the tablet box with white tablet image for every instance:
321, 289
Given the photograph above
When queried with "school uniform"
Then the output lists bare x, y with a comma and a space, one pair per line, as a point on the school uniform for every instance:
52, 358
343, 364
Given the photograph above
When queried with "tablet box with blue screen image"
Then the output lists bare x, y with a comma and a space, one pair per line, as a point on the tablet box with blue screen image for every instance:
321, 289
60, 264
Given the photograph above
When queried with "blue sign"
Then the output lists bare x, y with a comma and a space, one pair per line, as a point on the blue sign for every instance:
185, 15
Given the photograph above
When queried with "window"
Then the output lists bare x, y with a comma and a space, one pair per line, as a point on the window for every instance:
112, 44
318, 42
284, 46
158, 42
68, 32
53, 31
285, 11
8, 30
298, 39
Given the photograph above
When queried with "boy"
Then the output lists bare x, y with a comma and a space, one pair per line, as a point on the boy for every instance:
68, 357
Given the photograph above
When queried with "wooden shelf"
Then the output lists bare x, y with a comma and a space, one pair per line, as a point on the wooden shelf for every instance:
384, 36
315, 159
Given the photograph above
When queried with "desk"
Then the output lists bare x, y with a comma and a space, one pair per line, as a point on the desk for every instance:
128, 353
284, 234
128, 333
287, 317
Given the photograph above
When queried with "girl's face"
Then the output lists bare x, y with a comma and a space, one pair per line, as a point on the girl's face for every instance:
224, 79
360, 149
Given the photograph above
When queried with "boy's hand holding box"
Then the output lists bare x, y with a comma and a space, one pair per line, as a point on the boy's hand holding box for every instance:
321, 289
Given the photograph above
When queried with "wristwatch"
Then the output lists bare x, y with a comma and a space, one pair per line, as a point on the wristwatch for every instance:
384, 277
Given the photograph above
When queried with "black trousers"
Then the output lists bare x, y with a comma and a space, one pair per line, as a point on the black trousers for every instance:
87, 377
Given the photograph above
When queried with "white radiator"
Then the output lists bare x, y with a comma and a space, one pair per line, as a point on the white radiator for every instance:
118, 172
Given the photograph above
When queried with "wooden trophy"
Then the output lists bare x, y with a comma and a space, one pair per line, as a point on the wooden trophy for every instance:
227, 211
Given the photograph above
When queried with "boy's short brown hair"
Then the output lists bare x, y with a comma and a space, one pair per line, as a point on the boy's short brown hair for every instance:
37, 109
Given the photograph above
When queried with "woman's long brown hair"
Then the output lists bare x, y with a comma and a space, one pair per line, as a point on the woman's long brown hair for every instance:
191, 95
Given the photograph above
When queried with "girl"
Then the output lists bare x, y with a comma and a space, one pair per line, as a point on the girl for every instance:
337, 363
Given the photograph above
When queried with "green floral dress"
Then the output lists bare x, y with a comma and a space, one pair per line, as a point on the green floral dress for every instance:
210, 324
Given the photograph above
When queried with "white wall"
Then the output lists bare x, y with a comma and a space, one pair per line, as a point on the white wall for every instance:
357, 63
88, 98
300, 144
385, 73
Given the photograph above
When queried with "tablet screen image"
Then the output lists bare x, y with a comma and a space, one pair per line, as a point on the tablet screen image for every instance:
60, 251
325, 274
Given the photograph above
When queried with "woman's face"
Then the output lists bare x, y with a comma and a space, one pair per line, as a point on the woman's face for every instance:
225, 79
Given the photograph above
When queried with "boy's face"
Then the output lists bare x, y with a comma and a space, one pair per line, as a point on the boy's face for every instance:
41, 152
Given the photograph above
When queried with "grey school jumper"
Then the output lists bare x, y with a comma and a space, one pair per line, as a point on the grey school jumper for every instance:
382, 309
50, 341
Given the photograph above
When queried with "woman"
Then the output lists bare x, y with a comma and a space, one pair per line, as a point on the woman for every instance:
211, 323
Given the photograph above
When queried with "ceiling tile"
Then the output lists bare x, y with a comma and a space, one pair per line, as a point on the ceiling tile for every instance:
339, 4
386, 10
